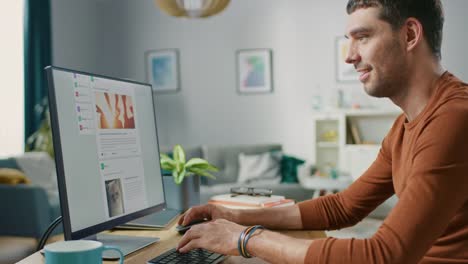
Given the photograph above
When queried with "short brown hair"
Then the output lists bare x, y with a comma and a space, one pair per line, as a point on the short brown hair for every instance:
429, 12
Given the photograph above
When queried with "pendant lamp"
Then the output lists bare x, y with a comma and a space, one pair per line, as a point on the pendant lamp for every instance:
192, 8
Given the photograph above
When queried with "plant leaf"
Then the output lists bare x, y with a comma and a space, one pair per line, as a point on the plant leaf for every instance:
180, 167
166, 162
179, 154
165, 156
178, 178
201, 173
175, 175
200, 164
208, 167
195, 161
167, 166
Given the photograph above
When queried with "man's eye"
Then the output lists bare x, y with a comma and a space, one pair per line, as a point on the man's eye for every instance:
362, 38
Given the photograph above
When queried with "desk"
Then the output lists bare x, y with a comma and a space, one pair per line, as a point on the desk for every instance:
169, 239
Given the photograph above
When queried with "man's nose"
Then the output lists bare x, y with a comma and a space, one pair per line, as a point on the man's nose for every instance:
352, 56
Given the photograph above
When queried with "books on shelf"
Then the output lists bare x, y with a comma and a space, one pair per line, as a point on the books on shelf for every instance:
355, 135
249, 201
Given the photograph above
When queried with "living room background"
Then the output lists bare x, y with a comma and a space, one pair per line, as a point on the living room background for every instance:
111, 36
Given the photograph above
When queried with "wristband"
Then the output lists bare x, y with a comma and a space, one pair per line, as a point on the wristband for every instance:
244, 238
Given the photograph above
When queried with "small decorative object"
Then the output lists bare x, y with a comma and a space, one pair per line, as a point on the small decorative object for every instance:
180, 168
254, 71
162, 70
330, 135
317, 102
344, 72
192, 8
313, 170
330, 171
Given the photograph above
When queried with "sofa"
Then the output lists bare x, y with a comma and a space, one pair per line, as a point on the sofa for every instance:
227, 159
27, 209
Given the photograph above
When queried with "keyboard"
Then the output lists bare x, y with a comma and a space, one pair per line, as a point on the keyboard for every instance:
193, 256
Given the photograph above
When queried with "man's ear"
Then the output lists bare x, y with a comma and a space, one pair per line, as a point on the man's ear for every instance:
414, 33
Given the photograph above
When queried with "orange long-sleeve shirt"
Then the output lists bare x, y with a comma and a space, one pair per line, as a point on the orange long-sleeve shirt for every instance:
425, 163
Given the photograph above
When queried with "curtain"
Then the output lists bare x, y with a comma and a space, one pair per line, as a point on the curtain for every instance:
37, 55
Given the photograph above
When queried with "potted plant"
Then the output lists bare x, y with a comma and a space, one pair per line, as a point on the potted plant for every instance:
182, 191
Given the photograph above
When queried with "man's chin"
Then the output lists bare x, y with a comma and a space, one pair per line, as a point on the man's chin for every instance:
372, 90
368, 89
375, 92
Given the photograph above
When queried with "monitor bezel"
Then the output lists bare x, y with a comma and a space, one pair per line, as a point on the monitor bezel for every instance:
61, 181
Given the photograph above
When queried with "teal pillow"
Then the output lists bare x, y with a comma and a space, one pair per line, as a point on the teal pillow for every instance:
167, 172
289, 166
9, 163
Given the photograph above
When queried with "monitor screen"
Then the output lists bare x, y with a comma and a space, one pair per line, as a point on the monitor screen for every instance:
106, 150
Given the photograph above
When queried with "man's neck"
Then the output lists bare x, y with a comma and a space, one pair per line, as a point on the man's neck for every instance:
421, 86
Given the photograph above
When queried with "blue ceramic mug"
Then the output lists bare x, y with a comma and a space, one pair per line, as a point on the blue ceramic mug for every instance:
77, 252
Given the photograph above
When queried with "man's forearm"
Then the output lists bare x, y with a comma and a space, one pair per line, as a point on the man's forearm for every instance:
288, 217
277, 248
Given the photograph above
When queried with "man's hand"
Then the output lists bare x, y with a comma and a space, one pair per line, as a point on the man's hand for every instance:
208, 211
218, 236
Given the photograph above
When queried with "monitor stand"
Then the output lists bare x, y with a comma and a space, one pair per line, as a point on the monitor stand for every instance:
127, 244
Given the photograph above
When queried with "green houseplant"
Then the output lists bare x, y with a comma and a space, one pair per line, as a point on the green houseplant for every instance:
181, 168
41, 139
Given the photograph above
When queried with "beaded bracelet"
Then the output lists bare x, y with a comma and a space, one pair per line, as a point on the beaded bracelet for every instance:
244, 238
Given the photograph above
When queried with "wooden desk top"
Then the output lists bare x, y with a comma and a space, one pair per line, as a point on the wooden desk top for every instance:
168, 239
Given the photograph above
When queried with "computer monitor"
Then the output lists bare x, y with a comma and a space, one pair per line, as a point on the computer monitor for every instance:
106, 153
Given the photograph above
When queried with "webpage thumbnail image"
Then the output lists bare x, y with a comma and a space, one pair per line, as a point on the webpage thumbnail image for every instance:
115, 111
114, 197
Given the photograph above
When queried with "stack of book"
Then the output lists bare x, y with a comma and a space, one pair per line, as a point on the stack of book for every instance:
249, 201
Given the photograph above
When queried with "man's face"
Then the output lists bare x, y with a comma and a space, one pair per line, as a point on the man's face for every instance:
377, 52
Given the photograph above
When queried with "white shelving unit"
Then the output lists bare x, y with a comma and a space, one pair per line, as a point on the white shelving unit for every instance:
349, 140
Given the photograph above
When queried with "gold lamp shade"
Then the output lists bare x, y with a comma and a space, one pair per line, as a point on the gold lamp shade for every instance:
192, 8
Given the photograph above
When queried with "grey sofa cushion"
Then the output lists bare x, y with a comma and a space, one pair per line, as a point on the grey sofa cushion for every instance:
226, 159
382, 211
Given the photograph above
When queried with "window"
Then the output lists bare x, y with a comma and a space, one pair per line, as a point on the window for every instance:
11, 78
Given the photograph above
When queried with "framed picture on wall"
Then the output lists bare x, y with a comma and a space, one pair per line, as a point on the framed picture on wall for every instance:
162, 70
254, 71
344, 72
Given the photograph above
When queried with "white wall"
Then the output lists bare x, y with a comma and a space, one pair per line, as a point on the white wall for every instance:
75, 30
208, 109
12, 79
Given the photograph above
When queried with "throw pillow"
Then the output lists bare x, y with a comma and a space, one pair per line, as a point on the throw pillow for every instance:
9, 163
40, 168
12, 176
258, 166
289, 169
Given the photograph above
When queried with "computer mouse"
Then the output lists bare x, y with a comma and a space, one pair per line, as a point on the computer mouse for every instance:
182, 229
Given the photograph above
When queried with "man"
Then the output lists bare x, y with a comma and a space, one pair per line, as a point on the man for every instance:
395, 46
